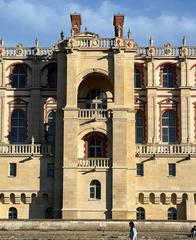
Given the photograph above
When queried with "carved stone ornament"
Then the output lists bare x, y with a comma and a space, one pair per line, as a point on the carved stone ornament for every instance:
167, 49
19, 49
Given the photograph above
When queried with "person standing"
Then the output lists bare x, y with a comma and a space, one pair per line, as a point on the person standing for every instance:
133, 231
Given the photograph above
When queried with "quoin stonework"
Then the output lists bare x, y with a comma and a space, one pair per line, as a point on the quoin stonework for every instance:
98, 128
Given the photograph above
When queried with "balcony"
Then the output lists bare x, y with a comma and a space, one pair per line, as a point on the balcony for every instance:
94, 114
94, 163
26, 149
164, 149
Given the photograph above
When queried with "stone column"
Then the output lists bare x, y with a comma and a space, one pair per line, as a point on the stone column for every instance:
61, 90
34, 106
123, 138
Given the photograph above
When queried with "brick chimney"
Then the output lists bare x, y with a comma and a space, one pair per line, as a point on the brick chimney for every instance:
118, 25
75, 23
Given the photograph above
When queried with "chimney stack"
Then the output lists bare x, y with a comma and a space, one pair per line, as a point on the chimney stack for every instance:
75, 23
118, 25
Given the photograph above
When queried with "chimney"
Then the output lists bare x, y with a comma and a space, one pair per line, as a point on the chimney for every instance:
75, 23
118, 25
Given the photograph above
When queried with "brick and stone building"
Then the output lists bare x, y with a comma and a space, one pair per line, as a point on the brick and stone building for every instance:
98, 128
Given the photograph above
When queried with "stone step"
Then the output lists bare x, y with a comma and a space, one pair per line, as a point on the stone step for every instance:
88, 235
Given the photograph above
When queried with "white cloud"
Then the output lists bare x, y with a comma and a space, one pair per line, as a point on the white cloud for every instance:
24, 20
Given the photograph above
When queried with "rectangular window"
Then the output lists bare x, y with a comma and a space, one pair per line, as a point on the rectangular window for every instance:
172, 169
50, 170
140, 169
12, 170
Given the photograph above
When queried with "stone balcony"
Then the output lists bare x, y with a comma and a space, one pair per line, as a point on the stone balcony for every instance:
153, 150
26, 149
94, 162
94, 114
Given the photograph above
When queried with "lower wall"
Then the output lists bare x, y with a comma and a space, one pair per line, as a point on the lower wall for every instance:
143, 226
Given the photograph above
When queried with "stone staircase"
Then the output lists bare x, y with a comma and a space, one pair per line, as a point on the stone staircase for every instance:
86, 235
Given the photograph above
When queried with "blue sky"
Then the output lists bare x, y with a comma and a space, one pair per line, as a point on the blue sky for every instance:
166, 20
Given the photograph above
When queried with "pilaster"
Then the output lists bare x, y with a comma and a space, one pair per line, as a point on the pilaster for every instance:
34, 114
190, 206
184, 103
61, 90
123, 175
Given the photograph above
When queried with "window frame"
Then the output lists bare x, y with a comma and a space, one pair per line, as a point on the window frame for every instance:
171, 169
139, 128
12, 169
16, 128
140, 169
95, 190
172, 215
138, 77
167, 129
12, 214
140, 215
21, 72
168, 75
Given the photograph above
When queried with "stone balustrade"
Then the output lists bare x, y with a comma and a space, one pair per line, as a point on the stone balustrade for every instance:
94, 114
94, 162
96, 42
26, 149
161, 149
25, 52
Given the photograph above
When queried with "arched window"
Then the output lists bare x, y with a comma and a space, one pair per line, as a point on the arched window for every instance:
138, 78
139, 127
168, 127
52, 76
172, 214
97, 99
12, 214
19, 76
95, 189
49, 213
18, 128
168, 73
140, 213
51, 127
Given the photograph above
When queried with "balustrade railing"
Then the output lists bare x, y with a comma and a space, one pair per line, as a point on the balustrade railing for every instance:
94, 162
177, 149
24, 52
94, 113
22, 149
96, 42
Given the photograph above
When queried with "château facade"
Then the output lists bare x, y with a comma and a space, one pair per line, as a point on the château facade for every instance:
98, 128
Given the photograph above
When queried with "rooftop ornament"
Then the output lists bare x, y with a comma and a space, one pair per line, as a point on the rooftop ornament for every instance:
129, 34
151, 41
184, 41
36, 43
62, 35
1, 42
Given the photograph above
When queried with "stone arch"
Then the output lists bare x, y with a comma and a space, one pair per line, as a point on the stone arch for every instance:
2, 198
93, 86
12, 198
173, 198
163, 198
33, 197
23, 198
82, 75
141, 198
152, 198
